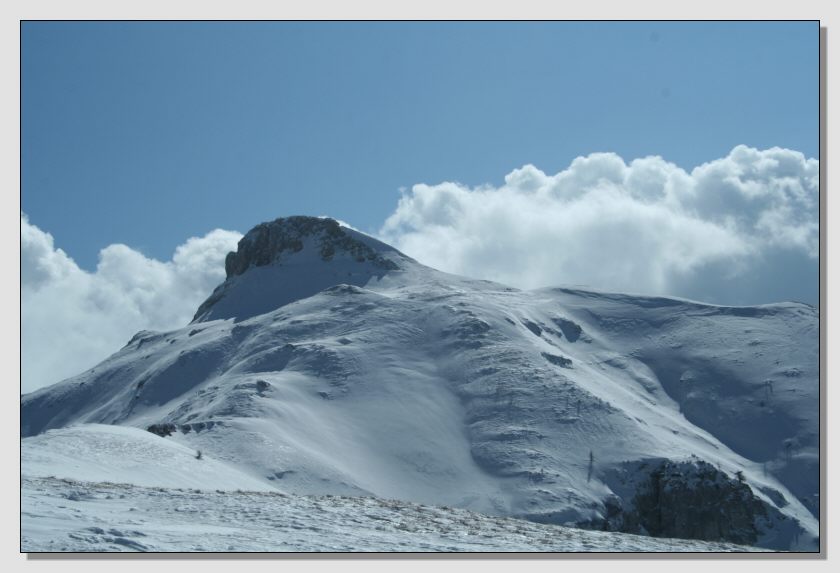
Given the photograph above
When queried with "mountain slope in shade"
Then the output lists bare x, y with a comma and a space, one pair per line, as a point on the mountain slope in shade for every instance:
330, 363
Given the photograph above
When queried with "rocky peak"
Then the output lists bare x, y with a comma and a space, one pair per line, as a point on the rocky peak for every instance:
271, 241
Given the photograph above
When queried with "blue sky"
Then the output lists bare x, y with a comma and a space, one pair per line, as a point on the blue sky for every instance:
148, 133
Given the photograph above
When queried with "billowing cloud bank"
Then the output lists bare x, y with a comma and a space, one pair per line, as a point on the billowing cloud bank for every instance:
72, 319
738, 230
730, 231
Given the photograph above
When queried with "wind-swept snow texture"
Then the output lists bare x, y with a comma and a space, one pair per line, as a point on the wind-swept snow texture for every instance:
123, 517
114, 488
330, 363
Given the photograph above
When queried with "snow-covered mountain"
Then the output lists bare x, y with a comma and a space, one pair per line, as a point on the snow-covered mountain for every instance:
331, 363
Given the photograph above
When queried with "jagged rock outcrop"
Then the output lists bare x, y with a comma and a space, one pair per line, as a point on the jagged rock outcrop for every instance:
691, 500
267, 242
302, 255
697, 501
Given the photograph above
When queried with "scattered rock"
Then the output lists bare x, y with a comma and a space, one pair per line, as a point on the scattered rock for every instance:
561, 361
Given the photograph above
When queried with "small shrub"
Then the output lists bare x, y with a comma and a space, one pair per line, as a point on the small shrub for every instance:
162, 430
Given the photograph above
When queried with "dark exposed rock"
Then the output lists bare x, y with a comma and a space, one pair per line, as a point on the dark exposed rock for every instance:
571, 330
533, 327
775, 495
267, 241
557, 360
687, 500
275, 244
697, 502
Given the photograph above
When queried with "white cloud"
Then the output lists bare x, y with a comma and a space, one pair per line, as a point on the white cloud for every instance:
647, 226
741, 229
72, 319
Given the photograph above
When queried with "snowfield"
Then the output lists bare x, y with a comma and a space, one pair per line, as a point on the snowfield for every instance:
329, 363
65, 515
99, 488
117, 454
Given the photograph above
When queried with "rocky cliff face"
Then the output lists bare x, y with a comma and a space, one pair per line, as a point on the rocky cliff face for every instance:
290, 258
691, 499
269, 242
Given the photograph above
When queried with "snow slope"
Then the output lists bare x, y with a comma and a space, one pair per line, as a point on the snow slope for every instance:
329, 363
65, 515
119, 454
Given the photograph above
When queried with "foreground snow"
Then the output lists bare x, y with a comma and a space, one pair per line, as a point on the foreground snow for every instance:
67, 515
100, 453
112, 488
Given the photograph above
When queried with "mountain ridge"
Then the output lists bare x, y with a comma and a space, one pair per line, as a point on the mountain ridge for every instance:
345, 377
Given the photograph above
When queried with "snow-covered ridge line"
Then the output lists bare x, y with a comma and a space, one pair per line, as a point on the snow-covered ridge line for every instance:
659, 301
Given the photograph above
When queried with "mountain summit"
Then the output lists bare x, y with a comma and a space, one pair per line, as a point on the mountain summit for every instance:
331, 363
291, 258
268, 243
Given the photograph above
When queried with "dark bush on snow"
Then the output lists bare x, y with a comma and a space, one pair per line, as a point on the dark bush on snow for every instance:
162, 430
